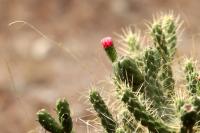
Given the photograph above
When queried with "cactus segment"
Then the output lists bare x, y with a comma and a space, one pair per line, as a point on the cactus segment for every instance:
100, 107
48, 122
126, 70
63, 111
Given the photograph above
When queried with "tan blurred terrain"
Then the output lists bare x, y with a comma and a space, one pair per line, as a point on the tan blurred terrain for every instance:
34, 71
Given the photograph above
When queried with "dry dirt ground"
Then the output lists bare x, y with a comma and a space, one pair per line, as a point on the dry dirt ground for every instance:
61, 56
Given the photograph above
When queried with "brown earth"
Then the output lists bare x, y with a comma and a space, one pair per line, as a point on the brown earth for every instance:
35, 71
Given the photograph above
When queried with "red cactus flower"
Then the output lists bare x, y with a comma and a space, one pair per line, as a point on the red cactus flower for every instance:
107, 42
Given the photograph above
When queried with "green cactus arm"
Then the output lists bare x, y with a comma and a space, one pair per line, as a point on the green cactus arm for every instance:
165, 74
152, 62
167, 79
159, 39
170, 24
152, 87
193, 83
164, 31
63, 111
135, 107
100, 107
127, 71
48, 122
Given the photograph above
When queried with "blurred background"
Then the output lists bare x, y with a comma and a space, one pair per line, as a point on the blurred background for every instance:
56, 53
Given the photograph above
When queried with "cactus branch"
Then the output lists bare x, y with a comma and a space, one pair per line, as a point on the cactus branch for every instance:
63, 111
48, 122
100, 107
138, 110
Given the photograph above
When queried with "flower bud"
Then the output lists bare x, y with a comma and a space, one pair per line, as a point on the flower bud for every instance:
107, 44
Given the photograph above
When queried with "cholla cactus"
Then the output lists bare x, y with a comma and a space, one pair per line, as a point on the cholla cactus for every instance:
50, 124
146, 92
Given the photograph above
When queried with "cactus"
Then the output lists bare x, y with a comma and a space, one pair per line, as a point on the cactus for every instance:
151, 82
163, 32
126, 70
192, 77
128, 122
135, 107
63, 111
148, 99
100, 107
152, 86
50, 124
